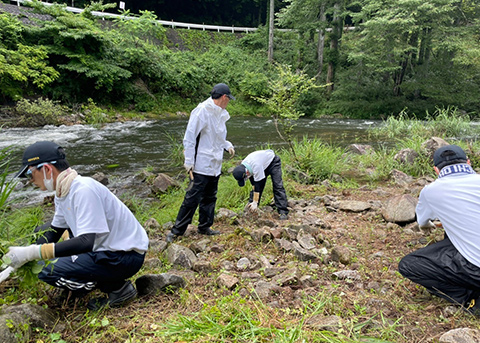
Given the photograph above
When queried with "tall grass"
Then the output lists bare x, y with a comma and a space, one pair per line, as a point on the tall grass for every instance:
446, 122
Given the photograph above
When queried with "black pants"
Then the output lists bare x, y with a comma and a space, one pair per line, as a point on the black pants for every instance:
443, 271
105, 270
274, 170
203, 194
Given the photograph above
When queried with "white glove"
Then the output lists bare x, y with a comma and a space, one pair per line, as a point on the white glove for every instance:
6, 273
231, 151
20, 255
253, 206
188, 167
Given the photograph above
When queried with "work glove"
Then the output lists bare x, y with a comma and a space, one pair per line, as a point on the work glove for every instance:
253, 206
20, 255
6, 273
231, 151
188, 167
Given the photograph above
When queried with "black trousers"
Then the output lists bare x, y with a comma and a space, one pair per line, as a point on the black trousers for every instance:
274, 170
443, 271
203, 194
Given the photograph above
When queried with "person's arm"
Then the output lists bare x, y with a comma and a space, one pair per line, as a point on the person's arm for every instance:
424, 211
76, 245
194, 126
52, 233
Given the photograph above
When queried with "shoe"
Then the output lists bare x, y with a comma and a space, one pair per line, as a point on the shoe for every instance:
114, 299
283, 216
171, 237
70, 298
209, 232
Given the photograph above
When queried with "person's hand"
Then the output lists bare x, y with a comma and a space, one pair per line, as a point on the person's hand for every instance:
253, 206
231, 151
6, 273
188, 167
18, 256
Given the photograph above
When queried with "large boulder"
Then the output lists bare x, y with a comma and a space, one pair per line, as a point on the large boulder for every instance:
400, 209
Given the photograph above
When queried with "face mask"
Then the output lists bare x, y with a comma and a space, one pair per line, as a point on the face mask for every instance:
47, 183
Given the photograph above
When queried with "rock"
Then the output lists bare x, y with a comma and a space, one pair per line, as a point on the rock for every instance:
287, 278
200, 246
151, 224
224, 213
202, 266
301, 253
433, 144
306, 240
100, 177
400, 178
461, 335
37, 316
290, 233
284, 244
360, 149
261, 235
324, 323
153, 263
400, 209
243, 264
271, 272
181, 256
156, 245
406, 156
347, 274
228, 281
162, 183
8, 334
151, 284
262, 289
341, 254
251, 276
352, 205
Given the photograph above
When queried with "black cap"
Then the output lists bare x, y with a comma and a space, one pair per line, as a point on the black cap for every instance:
449, 154
221, 89
240, 173
40, 152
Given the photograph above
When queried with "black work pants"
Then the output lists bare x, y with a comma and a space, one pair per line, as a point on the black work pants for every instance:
274, 170
203, 194
443, 271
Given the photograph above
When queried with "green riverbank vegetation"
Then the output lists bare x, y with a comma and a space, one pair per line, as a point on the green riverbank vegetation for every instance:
205, 312
411, 57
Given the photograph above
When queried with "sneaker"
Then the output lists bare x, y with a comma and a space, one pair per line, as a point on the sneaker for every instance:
283, 216
171, 237
209, 232
114, 299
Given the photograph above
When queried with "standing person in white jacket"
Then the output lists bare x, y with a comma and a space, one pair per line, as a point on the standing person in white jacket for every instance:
204, 143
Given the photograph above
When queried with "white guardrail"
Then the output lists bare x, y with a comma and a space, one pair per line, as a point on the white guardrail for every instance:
172, 24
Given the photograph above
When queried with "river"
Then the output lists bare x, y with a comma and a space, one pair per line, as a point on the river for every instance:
134, 145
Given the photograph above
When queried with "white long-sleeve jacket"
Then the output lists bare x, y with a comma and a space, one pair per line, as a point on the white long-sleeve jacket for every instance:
207, 120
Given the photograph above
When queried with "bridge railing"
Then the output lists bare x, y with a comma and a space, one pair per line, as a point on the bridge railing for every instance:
172, 24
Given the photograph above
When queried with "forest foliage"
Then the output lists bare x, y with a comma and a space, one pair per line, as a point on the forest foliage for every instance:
412, 56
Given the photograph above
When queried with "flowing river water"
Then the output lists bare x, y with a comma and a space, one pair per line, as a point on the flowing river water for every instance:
135, 145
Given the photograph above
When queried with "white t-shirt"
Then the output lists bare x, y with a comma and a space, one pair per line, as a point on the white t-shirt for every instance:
90, 207
455, 201
208, 120
257, 161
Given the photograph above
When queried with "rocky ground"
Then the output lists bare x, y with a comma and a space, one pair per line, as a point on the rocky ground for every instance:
338, 246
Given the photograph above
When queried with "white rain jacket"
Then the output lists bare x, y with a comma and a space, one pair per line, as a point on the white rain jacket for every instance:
207, 120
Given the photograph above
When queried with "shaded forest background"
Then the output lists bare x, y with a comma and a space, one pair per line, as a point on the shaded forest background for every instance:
410, 56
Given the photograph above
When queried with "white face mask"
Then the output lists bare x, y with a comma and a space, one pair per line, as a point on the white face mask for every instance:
48, 183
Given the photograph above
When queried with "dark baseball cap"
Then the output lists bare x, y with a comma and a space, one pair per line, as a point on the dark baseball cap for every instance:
40, 152
449, 154
221, 88
240, 173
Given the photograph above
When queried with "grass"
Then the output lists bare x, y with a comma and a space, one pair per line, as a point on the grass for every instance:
380, 307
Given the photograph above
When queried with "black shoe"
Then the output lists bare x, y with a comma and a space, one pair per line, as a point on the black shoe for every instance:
283, 216
115, 299
171, 237
209, 232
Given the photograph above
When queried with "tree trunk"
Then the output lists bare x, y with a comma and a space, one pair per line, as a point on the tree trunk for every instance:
337, 29
270, 30
321, 41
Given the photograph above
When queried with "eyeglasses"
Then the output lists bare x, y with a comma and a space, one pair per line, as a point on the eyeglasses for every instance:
29, 173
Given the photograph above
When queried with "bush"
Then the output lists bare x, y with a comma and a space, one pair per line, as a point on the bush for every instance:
40, 112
